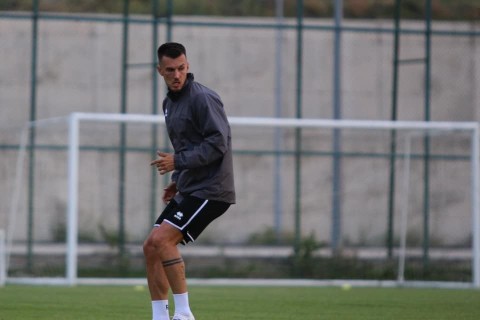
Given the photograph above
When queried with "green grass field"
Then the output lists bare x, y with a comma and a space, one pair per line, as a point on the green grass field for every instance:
232, 303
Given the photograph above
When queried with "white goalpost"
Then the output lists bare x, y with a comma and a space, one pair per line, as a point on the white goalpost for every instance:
3, 258
256, 131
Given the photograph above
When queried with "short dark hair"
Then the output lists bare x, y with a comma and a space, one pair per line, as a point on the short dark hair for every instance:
171, 49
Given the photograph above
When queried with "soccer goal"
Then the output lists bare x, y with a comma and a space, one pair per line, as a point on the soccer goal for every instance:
366, 202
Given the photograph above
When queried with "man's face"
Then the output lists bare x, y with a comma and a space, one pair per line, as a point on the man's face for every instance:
174, 71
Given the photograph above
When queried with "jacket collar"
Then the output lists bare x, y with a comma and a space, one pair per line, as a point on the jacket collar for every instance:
174, 96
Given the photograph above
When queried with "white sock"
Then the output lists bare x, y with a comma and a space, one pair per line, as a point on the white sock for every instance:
181, 303
160, 310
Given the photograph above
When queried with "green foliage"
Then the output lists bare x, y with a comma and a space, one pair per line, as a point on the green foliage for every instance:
411, 9
59, 234
303, 261
270, 237
111, 237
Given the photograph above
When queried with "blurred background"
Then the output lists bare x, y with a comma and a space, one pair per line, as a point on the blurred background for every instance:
315, 203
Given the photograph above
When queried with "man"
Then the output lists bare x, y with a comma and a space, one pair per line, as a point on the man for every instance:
201, 187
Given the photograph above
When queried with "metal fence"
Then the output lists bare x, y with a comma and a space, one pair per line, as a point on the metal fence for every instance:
421, 70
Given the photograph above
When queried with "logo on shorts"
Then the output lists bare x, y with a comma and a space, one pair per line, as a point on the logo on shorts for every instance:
179, 215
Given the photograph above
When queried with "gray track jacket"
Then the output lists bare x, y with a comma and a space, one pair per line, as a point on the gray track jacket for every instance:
200, 134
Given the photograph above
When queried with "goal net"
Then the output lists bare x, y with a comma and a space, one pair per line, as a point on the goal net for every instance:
368, 202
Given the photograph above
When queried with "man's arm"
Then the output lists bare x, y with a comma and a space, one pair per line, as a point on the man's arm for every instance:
169, 192
164, 164
211, 119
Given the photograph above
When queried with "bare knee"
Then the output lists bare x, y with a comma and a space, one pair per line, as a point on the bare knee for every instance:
148, 248
156, 244
152, 247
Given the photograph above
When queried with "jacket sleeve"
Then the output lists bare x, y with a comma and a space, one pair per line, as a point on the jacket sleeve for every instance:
212, 123
174, 176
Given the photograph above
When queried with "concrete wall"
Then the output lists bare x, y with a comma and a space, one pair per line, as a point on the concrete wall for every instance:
79, 69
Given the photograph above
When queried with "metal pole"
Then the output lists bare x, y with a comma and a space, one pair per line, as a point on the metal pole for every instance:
278, 205
404, 213
123, 101
169, 29
475, 208
33, 117
337, 114
426, 163
298, 131
393, 136
153, 173
169, 19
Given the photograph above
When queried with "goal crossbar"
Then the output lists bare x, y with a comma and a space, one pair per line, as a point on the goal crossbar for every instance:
289, 122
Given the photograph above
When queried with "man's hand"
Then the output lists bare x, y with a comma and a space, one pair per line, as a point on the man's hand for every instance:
164, 162
169, 192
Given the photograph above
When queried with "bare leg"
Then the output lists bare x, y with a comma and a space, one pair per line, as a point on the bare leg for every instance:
165, 267
156, 278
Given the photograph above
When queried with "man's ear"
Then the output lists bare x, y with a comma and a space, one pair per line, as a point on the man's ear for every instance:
159, 69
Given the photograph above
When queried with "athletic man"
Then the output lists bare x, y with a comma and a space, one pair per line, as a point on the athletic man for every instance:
201, 187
